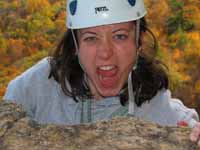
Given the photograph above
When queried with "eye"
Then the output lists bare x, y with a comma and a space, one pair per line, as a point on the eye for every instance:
90, 39
120, 37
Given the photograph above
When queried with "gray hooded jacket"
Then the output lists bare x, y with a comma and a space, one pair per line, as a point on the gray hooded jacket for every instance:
45, 102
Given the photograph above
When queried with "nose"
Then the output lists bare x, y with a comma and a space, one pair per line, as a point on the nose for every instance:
105, 49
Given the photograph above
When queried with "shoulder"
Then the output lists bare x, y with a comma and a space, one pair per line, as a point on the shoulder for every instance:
178, 110
39, 70
27, 80
162, 97
36, 72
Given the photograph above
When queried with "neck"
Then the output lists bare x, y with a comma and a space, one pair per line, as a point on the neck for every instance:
93, 90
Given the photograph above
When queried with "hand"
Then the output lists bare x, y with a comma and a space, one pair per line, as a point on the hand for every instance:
195, 134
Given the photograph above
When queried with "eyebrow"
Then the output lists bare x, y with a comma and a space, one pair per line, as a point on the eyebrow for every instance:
90, 32
87, 32
120, 29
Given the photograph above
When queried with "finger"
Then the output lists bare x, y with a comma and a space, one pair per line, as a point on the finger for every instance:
198, 145
195, 133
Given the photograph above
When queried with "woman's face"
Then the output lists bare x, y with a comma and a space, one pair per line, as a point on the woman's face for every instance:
107, 54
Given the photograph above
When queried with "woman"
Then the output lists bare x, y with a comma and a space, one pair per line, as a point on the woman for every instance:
99, 70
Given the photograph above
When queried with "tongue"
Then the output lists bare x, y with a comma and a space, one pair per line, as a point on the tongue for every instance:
108, 78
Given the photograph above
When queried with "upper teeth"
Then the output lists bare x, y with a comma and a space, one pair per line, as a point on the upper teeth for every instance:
106, 67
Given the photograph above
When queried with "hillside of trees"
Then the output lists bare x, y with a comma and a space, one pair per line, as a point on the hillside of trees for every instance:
30, 29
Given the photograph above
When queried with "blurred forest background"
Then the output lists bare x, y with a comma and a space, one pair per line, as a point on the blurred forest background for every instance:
30, 29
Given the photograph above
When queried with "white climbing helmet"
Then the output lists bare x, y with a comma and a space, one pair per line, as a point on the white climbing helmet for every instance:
90, 13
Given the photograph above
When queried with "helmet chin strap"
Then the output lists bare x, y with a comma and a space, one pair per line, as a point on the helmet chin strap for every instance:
131, 94
75, 41
77, 53
89, 108
77, 49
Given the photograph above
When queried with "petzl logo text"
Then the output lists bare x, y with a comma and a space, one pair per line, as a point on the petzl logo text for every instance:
101, 9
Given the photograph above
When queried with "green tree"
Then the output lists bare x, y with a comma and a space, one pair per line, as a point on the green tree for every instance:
177, 20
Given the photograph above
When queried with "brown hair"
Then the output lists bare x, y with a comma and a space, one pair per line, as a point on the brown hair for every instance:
148, 78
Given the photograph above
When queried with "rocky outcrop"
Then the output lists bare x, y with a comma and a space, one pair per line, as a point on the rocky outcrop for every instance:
18, 132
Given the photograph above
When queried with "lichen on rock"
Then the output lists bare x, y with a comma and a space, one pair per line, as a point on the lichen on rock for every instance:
18, 132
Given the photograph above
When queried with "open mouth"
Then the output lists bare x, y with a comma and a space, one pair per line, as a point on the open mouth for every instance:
107, 75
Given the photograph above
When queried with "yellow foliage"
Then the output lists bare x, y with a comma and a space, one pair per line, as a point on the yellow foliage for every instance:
15, 47
62, 15
155, 7
197, 87
176, 54
15, 3
194, 36
6, 74
193, 9
33, 6
2, 91
60, 25
193, 53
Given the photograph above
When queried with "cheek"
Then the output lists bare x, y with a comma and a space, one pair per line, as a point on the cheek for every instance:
86, 59
127, 55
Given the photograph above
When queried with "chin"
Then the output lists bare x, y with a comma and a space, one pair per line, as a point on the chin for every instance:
109, 93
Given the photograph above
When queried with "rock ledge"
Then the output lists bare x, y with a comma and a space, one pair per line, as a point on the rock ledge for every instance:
18, 132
